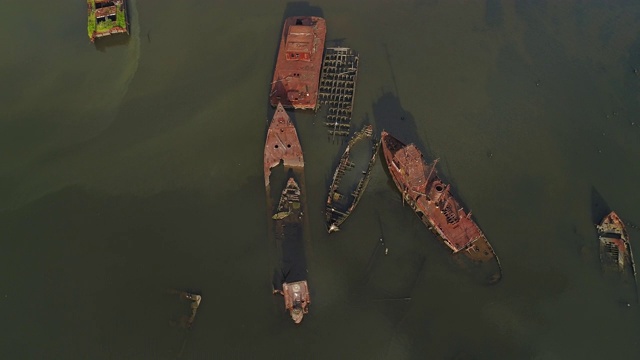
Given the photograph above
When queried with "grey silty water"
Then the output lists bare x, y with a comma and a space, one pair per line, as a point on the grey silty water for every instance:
134, 166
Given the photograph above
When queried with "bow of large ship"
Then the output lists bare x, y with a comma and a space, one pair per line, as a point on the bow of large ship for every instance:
282, 144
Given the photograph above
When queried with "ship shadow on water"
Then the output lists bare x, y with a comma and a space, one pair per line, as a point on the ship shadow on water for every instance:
116, 40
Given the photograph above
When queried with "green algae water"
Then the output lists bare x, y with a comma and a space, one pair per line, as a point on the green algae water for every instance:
133, 167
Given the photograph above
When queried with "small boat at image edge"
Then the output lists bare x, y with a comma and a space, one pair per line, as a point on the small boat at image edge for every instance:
351, 177
615, 250
106, 17
431, 199
296, 75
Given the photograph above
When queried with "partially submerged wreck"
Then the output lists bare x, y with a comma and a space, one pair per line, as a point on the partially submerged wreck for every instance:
297, 71
106, 17
194, 299
431, 199
290, 280
351, 177
615, 250
282, 144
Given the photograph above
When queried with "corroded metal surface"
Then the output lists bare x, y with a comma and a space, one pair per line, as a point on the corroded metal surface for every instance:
432, 201
338, 87
292, 282
297, 70
282, 144
340, 205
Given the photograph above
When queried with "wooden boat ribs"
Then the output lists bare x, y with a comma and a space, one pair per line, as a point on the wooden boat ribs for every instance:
339, 206
338, 87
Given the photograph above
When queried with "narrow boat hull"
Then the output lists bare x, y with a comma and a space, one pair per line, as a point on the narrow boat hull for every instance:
291, 279
351, 177
616, 256
297, 72
431, 199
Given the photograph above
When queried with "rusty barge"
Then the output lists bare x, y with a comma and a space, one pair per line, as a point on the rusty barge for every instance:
616, 256
297, 71
432, 201
106, 17
290, 281
351, 177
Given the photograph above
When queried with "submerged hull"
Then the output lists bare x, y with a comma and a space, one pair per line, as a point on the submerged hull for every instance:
282, 144
106, 17
616, 256
431, 199
297, 72
351, 177
291, 278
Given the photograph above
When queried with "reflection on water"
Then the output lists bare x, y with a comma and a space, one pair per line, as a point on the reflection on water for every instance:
130, 168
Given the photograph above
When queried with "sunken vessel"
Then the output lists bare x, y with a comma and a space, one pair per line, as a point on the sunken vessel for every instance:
616, 256
431, 199
291, 279
297, 71
106, 17
351, 177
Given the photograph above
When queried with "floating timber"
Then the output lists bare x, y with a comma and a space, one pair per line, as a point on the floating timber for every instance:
351, 177
431, 199
291, 281
338, 87
615, 250
297, 70
282, 144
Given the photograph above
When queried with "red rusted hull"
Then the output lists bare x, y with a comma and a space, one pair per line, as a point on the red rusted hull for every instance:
434, 204
297, 72
282, 144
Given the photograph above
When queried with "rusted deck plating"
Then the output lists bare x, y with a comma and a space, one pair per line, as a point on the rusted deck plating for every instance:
433, 202
334, 216
289, 216
297, 70
282, 144
338, 87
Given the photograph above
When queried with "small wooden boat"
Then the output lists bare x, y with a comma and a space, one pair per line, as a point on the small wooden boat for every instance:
297, 72
106, 17
291, 281
282, 144
615, 250
431, 199
351, 177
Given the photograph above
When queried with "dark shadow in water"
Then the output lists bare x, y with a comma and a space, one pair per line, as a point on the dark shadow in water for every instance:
599, 207
494, 13
104, 43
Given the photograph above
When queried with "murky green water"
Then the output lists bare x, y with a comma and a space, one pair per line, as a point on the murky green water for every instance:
134, 167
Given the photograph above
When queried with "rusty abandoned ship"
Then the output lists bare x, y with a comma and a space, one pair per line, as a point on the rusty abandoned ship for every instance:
351, 177
432, 201
106, 17
290, 280
282, 144
297, 72
616, 256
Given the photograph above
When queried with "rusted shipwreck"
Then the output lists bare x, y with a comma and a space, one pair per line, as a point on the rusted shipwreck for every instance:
432, 201
106, 17
290, 279
615, 250
282, 144
297, 71
351, 177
